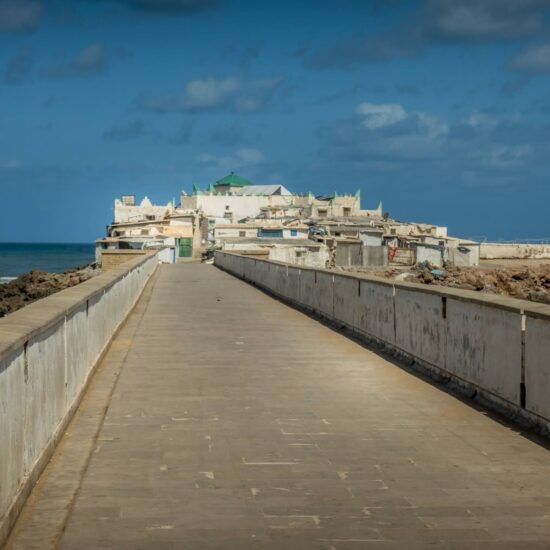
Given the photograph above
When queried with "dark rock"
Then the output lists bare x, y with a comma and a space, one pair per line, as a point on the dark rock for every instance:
538, 296
38, 284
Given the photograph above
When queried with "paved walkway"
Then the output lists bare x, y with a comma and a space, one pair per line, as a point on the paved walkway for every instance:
236, 422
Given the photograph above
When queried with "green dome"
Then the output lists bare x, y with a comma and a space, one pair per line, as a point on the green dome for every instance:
234, 180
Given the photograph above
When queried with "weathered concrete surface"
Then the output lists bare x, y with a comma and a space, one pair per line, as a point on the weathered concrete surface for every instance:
238, 422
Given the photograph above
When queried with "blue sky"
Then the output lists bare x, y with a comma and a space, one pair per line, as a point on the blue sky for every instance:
439, 108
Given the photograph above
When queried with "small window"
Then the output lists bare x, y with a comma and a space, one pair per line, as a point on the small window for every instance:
322, 213
227, 207
242, 233
270, 232
300, 253
347, 211
293, 233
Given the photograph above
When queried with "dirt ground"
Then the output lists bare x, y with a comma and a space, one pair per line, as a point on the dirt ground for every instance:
523, 279
38, 284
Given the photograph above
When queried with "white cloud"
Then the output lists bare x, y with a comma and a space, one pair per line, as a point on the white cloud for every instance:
208, 94
401, 127
378, 116
534, 60
481, 121
432, 126
503, 157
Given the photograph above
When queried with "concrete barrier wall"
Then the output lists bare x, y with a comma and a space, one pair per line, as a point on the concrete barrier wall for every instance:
493, 346
346, 300
376, 314
419, 324
484, 344
537, 360
48, 351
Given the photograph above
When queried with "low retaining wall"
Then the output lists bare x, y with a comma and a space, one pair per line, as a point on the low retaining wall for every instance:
48, 351
494, 347
495, 251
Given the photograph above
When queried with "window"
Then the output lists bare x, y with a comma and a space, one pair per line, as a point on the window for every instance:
347, 211
300, 253
270, 232
322, 212
242, 233
293, 233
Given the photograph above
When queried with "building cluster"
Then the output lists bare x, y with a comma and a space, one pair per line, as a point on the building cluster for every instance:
269, 221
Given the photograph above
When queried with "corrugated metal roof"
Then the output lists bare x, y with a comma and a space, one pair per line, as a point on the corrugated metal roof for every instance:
253, 190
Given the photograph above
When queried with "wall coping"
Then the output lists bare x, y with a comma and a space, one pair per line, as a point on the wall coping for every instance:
18, 327
537, 311
491, 300
516, 244
127, 251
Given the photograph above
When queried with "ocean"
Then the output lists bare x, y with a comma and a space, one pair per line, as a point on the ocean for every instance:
19, 258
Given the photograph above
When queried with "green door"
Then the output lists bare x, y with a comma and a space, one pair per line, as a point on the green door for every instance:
186, 247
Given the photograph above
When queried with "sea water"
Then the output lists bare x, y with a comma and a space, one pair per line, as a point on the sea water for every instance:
19, 258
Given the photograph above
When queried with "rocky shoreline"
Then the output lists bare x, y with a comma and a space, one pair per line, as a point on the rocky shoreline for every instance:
35, 285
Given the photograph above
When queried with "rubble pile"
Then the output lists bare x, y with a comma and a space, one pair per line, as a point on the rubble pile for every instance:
525, 283
38, 284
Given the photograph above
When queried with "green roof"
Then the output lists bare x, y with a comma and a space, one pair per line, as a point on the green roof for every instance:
234, 180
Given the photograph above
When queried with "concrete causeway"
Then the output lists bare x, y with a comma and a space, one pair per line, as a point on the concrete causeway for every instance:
222, 418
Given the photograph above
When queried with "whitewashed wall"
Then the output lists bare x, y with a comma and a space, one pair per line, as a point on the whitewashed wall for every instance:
493, 251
